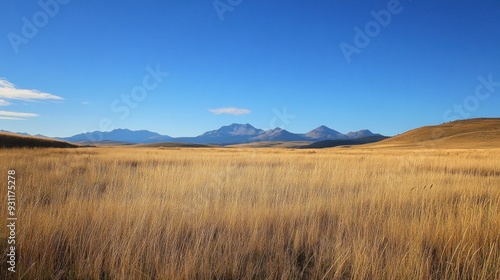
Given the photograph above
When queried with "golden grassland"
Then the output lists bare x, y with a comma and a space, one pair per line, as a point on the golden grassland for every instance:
150, 213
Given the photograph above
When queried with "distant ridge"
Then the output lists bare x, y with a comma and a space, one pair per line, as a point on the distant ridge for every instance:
232, 134
118, 135
470, 133
277, 134
344, 142
361, 134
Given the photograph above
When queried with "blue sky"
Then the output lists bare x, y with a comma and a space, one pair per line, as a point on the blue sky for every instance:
70, 66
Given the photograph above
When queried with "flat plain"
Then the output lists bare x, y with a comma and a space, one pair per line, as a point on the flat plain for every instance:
246, 213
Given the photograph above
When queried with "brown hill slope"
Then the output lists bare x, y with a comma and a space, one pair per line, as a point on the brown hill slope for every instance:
271, 144
8, 140
174, 145
463, 134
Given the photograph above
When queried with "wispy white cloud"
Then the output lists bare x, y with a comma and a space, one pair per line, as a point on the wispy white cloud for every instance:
85, 103
4, 102
12, 119
7, 115
230, 111
10, 91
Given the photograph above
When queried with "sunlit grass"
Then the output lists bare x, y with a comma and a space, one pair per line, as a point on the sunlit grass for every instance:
141, 213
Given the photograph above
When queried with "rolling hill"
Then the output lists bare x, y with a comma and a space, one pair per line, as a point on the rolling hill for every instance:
10, 140
344, 142
462, 134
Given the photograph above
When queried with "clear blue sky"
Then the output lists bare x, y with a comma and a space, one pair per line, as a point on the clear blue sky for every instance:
66, 68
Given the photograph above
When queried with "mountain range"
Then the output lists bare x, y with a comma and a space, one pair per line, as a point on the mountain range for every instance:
461, 134
230, 134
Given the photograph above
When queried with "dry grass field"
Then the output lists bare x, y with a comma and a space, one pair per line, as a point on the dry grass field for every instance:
234, 213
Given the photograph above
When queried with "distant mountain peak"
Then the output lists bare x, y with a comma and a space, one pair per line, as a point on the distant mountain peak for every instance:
323, 127
241, 124
323, 132
361, 133
234, 129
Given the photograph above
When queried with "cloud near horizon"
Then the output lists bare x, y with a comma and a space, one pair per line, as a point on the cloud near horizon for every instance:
18, 116
230, 111
9, 91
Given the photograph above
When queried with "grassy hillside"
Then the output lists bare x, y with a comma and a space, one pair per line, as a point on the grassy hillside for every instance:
8, 140
473, 133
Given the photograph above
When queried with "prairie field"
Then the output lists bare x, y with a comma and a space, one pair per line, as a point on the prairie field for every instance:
243, 213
